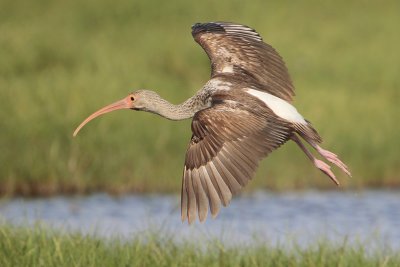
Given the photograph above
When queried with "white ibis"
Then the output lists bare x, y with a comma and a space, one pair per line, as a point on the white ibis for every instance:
241, 115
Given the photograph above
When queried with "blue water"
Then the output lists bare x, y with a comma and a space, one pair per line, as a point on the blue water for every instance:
370, 217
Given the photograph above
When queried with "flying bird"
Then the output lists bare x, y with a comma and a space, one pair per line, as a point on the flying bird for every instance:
241, 114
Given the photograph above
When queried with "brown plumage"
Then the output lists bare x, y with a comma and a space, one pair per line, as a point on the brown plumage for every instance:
229, 140
241, 115
240, 48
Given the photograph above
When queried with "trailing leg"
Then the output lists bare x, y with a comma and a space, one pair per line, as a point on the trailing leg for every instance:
325, 168
332, 157
328, 155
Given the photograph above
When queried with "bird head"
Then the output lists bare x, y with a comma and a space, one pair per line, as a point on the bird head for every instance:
138, 100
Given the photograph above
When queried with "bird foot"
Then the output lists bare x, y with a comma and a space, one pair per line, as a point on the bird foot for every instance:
333, 158
325, 168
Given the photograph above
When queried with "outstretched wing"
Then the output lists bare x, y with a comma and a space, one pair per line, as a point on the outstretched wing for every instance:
239, 50
223, 154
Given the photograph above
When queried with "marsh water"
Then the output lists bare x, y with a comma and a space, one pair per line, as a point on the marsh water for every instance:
368, 217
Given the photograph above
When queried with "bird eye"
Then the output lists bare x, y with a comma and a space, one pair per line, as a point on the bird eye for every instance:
132, 98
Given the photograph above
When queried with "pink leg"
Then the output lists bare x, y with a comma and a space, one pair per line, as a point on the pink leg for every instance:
332, 157
325, 168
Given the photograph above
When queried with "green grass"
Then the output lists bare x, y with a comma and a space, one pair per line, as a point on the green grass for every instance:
39, 247
62, 60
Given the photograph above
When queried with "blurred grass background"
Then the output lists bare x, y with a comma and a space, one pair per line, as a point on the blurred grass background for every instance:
62, 60
40, 246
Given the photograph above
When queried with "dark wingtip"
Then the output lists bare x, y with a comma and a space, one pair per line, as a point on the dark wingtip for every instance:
207, 27
196, 25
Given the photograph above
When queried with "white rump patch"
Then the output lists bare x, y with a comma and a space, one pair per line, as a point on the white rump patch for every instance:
279, 106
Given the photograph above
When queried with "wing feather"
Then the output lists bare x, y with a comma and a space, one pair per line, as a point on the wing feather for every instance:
191, 211
226, 194
223, 154
211, 191
239, 50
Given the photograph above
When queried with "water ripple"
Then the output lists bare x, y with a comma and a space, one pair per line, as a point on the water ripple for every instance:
369, 216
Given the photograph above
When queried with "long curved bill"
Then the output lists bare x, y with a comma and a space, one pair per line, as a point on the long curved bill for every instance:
121, 104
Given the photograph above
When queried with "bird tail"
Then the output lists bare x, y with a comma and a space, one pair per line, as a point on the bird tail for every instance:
308, 132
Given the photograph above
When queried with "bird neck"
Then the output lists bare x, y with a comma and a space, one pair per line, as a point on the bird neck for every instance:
184, 110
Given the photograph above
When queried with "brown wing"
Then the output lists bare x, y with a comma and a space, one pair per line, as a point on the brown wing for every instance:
238, 49
223, 154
